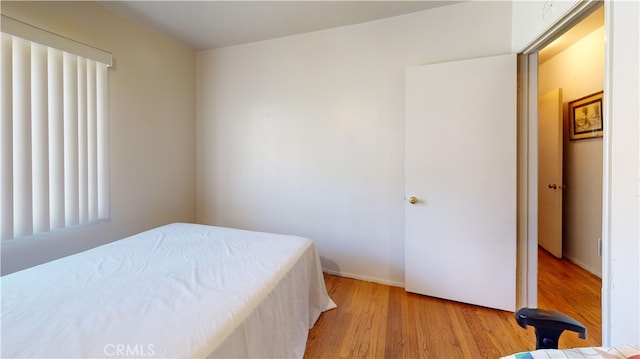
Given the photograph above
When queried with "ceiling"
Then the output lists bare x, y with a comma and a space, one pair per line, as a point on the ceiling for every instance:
212, 24
576, 33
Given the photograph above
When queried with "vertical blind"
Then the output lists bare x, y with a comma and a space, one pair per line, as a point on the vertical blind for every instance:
53, 138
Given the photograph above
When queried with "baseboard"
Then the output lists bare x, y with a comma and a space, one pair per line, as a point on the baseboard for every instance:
364, 278
582, 265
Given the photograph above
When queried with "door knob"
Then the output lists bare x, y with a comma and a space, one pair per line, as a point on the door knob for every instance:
552, 186
413, 200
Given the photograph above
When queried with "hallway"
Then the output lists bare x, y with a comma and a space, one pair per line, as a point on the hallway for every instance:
565, 287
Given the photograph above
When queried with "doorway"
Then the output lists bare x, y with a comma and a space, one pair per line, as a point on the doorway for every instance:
570, 201
538, 77
574, 64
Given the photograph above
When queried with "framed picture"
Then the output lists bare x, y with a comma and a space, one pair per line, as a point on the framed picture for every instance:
585, 117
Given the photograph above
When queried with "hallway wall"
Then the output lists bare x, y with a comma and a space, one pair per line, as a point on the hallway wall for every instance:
579, 71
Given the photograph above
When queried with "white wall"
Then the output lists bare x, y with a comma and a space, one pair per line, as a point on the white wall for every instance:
579, 71
152, 125
531, 18
622, 181
305, 134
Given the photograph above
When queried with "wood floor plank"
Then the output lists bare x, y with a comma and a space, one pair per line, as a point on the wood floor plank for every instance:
379, 321
566, 287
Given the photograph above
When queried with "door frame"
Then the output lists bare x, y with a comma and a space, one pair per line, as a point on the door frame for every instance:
527, 157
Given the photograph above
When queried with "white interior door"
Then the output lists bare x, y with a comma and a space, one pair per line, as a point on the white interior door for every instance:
550, 172
461, 168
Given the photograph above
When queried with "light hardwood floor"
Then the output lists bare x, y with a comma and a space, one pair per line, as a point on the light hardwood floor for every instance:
379, 321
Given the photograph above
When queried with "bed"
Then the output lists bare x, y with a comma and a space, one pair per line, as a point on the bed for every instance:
621, 352
180, 290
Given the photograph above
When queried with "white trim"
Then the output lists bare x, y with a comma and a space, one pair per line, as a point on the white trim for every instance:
32, 33
582, 264
532, 167
364, 278
607, 279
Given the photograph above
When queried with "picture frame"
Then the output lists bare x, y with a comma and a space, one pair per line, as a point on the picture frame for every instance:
585, 117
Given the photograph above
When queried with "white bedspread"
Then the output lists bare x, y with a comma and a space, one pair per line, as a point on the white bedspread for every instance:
180, 290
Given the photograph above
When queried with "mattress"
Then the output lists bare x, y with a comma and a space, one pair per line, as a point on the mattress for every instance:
180, 290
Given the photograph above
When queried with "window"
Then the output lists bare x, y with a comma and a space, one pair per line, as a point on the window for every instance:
53, 132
